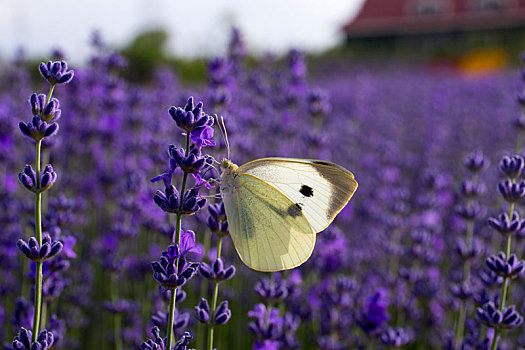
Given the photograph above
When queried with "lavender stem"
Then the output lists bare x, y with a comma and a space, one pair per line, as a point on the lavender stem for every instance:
38, 230
214, 299
173, 294
505, 285
460, 327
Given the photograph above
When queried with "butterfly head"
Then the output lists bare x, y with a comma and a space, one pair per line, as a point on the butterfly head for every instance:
228, 165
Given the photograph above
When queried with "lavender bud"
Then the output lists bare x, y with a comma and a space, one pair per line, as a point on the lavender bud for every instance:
512, 167
51, 111
505, 225
471, 189
395, 337
28, 178
469, 212
511, 268
222, 314
48, 178
37, 103
475, 162
202, 311
56, 72
167, 201
512, 192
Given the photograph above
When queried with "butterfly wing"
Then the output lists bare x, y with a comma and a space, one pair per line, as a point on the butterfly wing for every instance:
268, 229
320, 188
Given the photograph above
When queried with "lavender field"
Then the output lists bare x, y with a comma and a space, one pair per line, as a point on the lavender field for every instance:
122, 234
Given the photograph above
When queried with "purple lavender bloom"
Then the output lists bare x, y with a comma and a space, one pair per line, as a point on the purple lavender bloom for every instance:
319, 102
220, 73
38, 129
158, 343
187, 243
265, 323
192, 119
48, 178
183, 342
395, 337
28, 178
193, 163
236, 46
68, 244
476, 161
511, 267
56, 72
217, 272
271, 292
469, 212
23, 314
22, 340
38, 103
171, 274
202, 135
191, 203
466, 252
374, 313
492, 317
461, 290
46, 112
266, 344
512, 192
216, 220
512, 167
167, 200
202, 311
48, 250
222, 314
505, 225
470, 189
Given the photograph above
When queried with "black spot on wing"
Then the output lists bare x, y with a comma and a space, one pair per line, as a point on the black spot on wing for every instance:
294, 210
306, 191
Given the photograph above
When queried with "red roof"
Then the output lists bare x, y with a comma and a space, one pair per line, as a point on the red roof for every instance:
397, 17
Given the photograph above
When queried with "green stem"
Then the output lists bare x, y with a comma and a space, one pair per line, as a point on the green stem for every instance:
173, 295
214, 300
506, 284
43, 315
117, 317
38, 231
462, 314
50, 93
117, 326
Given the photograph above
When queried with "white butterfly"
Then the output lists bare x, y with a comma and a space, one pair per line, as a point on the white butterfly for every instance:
275, 207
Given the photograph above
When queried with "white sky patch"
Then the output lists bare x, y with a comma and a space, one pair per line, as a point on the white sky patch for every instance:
196, 28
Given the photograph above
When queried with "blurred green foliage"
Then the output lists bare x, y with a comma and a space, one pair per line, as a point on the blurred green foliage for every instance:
148, 51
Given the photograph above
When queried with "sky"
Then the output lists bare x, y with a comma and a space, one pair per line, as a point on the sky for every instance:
195, 28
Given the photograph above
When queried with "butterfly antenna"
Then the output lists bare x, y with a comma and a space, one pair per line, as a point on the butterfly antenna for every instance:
222, 127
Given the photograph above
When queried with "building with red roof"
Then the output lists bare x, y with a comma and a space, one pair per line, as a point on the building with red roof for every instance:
437, 26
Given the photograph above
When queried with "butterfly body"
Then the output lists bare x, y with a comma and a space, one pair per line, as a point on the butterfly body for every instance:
275, 207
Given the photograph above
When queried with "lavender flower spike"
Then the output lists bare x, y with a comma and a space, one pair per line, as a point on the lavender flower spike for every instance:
38, 129
22, 340
511, 267
56, 72
28, 178
48, 250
